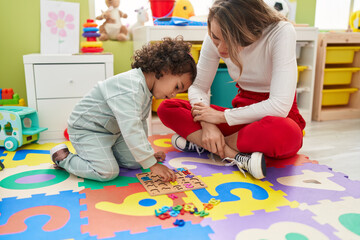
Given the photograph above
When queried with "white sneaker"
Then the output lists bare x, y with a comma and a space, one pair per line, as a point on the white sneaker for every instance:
254, 163
183, 145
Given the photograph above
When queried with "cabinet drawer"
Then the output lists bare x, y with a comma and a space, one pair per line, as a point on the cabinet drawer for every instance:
66, 80
54, 114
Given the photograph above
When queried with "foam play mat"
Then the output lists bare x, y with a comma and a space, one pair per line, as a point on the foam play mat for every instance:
299, 199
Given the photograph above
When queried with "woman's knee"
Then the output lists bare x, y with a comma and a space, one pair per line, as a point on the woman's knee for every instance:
287, 136
165, 106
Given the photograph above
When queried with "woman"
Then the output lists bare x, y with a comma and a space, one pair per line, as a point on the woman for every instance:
258, 46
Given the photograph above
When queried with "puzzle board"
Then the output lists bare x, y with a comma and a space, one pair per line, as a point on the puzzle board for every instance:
185, 180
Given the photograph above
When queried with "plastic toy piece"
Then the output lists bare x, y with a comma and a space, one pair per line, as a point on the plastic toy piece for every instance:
2, 166
90, 33
19, 126
172, 196
164, 216
7, 93
177, 21
214, 202
208, 206
179, 222
174, 213
8, 97
177, 207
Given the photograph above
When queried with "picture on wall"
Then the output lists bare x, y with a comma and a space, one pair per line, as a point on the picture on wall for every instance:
59, 27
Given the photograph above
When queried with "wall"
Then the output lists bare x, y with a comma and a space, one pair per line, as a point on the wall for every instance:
305, 12
20, 35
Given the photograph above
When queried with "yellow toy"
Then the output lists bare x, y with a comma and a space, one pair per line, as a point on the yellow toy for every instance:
354, 21
183, 9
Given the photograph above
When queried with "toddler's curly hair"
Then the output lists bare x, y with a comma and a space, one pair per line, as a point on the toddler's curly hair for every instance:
168, 56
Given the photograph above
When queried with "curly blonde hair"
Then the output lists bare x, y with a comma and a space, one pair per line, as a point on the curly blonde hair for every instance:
168, 56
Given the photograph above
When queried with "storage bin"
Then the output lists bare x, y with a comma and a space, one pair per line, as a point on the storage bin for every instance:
223, 89
300, 69
195, 51
332, 97
338, 76
341, 54
156, 102
299, 46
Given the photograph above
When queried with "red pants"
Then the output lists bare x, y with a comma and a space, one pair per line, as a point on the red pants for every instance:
276, 137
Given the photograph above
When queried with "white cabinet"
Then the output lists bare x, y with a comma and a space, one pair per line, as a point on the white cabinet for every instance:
55, 83
306, 38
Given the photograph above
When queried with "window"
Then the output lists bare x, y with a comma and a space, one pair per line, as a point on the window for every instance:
334, 14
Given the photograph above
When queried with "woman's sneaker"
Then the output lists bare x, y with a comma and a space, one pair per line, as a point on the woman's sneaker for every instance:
253, 163
59, 153
184, 145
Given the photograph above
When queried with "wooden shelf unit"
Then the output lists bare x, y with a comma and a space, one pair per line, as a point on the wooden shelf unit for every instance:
352, 109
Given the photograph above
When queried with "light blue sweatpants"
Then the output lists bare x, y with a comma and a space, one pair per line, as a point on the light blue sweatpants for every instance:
98, 156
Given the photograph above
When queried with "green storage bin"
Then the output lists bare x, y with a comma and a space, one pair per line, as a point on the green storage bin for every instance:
223, 89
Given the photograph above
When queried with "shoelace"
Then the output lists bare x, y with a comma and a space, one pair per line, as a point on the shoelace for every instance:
233, 162
198, 149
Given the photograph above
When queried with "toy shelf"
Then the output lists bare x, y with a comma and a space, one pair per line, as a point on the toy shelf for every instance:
306, 40
337, 52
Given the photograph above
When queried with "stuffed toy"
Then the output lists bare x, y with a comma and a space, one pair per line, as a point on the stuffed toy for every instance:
142, 17
112, 28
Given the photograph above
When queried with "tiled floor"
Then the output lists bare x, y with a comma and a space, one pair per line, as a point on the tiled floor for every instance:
335, 144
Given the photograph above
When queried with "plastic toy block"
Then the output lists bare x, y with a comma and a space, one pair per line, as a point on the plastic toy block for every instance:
10, 101
0, 93
7, 93
42, 217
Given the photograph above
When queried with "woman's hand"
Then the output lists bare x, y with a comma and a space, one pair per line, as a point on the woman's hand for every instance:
164, 172
160, 156
201, 112
212, 139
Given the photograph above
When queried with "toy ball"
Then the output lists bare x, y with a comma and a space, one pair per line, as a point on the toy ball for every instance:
281, 6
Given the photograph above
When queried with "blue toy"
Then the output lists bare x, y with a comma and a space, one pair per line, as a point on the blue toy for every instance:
18, 126
177, 21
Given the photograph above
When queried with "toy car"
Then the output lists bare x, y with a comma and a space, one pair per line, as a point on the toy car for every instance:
18, 126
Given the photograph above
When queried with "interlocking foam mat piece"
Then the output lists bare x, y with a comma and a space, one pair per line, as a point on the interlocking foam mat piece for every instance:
299, 199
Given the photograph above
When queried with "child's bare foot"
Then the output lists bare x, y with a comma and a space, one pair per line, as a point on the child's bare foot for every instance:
160, 156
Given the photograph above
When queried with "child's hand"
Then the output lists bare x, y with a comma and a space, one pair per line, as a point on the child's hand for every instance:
160, 156
164, 172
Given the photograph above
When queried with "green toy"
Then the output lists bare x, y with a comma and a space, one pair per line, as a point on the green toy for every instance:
18, 126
